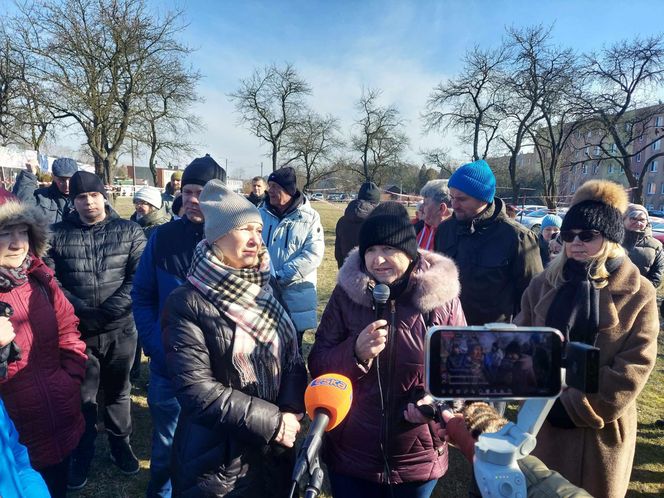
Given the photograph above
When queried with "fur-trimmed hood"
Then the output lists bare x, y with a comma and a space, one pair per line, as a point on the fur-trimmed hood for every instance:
14, 212
434, 281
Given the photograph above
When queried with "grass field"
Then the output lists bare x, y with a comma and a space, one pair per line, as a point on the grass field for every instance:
647, 475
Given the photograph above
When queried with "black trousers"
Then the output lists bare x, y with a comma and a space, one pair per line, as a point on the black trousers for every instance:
110, 357
55, 478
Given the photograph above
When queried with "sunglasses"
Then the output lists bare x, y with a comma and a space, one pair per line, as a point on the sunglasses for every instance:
584, 235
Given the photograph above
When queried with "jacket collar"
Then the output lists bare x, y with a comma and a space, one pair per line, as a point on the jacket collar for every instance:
434, 281
491, 214
297, 201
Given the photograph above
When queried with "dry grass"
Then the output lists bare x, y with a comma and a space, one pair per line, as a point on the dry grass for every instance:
647, 476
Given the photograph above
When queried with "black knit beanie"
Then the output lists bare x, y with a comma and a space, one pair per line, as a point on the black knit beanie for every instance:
388, 225
201, 170
598, 205
83, 182
369, 192
285, 178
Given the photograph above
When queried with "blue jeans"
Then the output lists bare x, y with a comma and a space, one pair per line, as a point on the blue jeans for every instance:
165, 410
353, 487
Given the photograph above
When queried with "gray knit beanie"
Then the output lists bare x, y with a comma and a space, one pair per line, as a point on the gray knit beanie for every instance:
225, 210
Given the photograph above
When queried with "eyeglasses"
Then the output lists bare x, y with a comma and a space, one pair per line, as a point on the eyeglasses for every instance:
584, 235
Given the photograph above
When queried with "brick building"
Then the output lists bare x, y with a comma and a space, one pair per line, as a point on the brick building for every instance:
592, 154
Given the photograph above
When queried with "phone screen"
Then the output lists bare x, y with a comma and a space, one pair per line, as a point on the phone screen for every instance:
476, 363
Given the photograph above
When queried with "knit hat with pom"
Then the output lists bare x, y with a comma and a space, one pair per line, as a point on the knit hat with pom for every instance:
598, 205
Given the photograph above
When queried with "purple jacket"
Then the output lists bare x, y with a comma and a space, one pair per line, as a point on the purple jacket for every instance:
414, 452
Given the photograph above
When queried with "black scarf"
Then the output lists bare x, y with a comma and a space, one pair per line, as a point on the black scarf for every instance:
575, 312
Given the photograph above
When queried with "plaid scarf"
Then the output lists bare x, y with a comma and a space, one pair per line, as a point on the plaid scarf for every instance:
265, 342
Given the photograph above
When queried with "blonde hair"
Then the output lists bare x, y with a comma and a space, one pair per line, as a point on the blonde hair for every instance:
597, 272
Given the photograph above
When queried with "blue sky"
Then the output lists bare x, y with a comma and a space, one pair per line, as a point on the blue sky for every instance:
402, 47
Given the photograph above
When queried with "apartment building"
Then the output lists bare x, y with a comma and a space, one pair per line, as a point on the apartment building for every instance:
591, 154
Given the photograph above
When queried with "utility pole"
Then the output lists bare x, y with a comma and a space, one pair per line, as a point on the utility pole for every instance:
133, 167
261, 168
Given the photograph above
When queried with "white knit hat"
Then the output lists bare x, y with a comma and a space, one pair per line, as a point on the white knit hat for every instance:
150, 195
225, 210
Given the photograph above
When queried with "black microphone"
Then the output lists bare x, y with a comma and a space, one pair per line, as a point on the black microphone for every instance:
381, 293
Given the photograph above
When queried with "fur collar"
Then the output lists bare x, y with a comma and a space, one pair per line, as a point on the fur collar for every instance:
13, 212
434, 281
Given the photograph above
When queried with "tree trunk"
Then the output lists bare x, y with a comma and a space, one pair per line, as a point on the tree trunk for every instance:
153, 167
274, 157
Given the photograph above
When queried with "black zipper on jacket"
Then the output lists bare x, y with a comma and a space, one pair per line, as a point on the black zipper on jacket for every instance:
391, 357
268, 239
287, 234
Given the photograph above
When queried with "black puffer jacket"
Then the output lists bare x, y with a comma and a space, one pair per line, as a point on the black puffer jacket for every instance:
95, 265
646, 253
54, 204
222, 441
496, 257
348, 228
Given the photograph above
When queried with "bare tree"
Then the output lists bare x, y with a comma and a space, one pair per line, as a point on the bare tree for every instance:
535, 67
24, 119
618, 104
10, 82
561, 119
440, 158
97, 59
270, 103
163, 122
313, 142
468, 103
380, 140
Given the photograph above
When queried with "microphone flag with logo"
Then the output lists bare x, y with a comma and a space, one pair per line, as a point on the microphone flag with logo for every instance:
327, 399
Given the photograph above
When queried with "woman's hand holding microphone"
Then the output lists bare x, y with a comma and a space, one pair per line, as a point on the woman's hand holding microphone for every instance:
371, 341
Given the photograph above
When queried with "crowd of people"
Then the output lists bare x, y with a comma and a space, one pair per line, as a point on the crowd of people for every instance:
217, 290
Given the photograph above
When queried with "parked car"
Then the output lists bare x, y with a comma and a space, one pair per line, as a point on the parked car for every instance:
317, 197
657, 225
534, 220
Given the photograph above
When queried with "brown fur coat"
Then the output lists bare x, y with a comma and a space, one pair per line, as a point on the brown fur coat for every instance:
598, 454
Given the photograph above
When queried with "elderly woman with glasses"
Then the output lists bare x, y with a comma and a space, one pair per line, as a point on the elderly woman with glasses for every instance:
594, 294
643, 249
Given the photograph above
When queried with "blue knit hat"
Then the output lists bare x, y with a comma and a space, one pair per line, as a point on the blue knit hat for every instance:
551, 220
475, 179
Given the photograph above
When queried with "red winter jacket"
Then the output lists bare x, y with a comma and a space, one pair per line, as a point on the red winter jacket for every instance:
413, 452
42, 391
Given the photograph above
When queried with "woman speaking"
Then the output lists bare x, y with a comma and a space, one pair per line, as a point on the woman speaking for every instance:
385, 446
